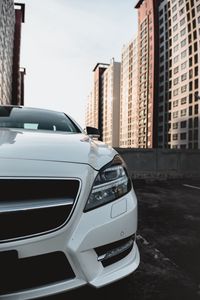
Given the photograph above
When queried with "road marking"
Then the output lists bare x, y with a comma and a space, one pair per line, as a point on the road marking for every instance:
192, 186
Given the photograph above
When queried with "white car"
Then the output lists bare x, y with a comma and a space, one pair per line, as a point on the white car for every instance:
68, 211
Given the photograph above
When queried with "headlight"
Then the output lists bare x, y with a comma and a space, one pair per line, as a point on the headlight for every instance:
111, 183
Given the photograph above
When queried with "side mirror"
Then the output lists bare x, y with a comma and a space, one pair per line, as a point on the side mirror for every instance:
93, 132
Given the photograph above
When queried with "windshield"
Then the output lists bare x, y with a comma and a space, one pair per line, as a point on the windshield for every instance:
36, 119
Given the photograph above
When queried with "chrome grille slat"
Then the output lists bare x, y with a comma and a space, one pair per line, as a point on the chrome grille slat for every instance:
29, 205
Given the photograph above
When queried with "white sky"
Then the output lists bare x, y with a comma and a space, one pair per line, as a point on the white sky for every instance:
62, 40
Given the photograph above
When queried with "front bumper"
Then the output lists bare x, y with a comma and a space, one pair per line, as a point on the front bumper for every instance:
77, 240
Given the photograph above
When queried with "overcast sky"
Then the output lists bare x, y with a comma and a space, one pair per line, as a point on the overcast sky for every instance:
62, 40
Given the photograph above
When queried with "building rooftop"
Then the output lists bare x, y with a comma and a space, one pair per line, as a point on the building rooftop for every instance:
21, 6
138, 3
101, 65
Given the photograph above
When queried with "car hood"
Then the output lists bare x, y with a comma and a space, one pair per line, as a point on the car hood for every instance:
54, 146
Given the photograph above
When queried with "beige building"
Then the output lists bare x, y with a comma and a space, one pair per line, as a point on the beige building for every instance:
129, 96
90, 116
103, 105
111, 104
148, 72
7, 27
94, 109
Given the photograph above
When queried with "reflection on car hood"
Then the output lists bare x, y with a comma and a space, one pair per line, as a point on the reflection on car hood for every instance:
54, 146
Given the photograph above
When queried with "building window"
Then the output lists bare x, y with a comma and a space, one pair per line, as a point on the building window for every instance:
196, 109
183, 31
184, 100
175, 114
183, 124
182, 21
183, 43
183, 136
174, 8
175, 38
184, 88
183, 146
176, 80
175, 137
183, 54
175, 92
181, 12
174, 17
176, 59
175, 125
190, 86
196, 71
196, 122
190, 62
189, 38
176, 70
183, 112
176, 48
175, 103
195, 134
190, 98
184, 77
196, 84
175, 27
183, 65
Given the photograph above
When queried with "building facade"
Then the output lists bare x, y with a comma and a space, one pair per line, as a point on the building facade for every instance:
89, 115
18, 73
111, 104
103, 105
11, 17
7, 30
97, 97
148, 72
179, 35
129, 96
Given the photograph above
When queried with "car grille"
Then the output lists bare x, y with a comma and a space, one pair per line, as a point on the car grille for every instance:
35, 206
32, 272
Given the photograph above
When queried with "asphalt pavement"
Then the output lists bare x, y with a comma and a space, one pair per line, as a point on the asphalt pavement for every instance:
169, 242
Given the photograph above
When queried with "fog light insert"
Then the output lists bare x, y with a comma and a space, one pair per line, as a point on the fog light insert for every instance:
111, 253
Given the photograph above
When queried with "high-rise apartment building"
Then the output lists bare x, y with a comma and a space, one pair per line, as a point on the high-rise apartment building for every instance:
89, 115
172, 70
103, 105
129, 96
111, 104
97, 99
18, 74
179, 35
148, 72
7, 28
11, 17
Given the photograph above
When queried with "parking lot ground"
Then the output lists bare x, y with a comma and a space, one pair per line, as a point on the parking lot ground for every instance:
169, 243
169, 231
